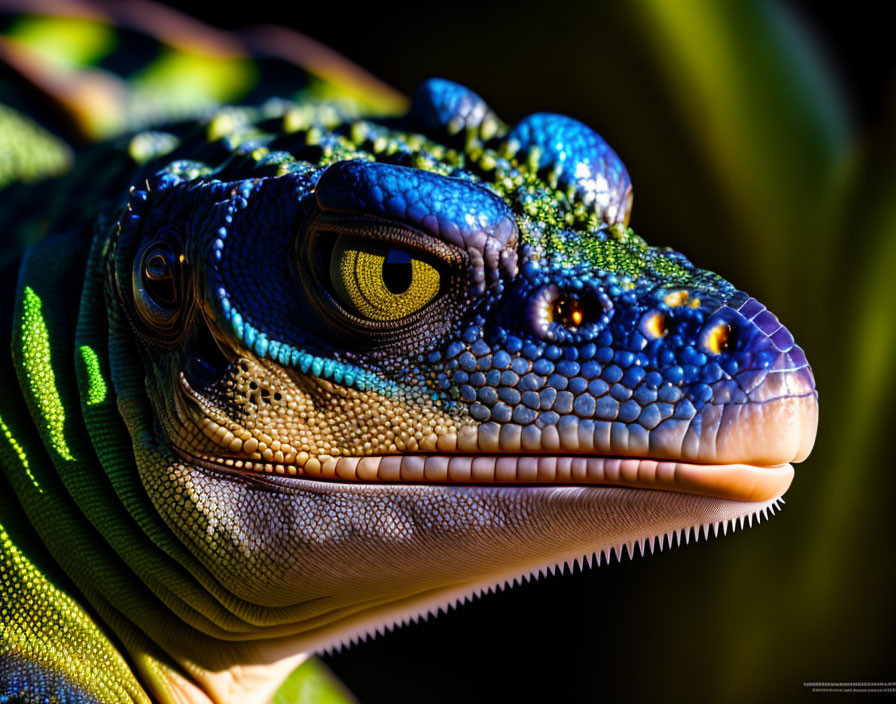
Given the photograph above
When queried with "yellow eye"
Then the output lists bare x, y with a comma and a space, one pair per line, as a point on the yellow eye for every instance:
381, 282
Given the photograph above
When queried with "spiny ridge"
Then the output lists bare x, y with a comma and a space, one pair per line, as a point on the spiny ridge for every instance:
563, 566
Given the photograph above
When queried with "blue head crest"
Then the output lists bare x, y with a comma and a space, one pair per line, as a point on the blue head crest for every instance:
572, 155
580, 160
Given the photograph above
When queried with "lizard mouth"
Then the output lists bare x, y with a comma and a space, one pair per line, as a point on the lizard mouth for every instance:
741, 482
737, 452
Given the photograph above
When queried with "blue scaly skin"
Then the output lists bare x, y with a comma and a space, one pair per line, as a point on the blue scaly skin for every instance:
368, 367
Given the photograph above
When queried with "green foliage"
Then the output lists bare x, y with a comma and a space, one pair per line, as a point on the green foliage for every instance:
27, 151
64, 41
312, 683
805, 202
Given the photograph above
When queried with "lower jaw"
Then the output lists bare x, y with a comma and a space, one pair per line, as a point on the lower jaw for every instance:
740, 482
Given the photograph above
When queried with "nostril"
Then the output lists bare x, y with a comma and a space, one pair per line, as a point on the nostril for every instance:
653, 325
681, 297
717, 337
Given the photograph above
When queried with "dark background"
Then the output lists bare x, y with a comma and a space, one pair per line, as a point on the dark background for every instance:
759, 140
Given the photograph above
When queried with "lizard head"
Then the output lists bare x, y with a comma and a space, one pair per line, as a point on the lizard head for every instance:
387, 363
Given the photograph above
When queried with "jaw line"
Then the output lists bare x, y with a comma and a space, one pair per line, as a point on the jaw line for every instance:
593, 523
738, 482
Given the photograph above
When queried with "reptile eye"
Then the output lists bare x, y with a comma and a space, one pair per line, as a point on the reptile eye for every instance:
568, 311
157, 286
374, 283
560, 316
158, 275
381, 282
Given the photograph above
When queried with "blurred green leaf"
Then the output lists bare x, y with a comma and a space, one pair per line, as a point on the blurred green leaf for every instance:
861, 340
766, 118
67, 42
313, 683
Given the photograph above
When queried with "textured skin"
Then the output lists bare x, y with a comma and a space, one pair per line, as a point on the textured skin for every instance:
247, 469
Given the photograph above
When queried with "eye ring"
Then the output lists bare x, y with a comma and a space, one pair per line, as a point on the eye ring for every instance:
158, 275
314, 257
158, 286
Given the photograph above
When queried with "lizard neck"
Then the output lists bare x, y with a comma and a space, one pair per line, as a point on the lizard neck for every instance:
81, 494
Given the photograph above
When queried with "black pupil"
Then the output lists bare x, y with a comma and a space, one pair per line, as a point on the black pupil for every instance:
157, 267
569, 312
159, 279
397, 271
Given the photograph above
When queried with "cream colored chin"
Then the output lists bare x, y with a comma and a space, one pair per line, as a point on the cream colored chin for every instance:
566, 525
665, 520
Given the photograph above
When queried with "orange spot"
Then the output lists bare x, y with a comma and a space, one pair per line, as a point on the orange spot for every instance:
717, 339
654, 325
676, 298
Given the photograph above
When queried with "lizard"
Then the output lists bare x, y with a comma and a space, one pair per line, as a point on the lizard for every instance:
293, 373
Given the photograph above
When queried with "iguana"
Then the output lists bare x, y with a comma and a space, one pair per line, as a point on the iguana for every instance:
289, 373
